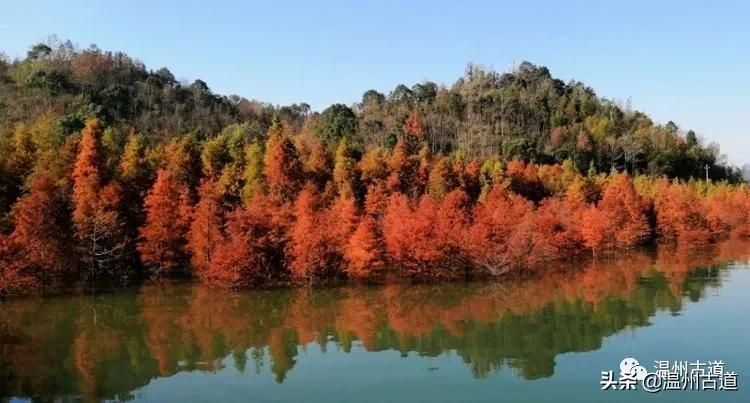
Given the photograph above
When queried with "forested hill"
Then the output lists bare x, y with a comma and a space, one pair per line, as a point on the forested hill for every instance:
112, 172
524, 114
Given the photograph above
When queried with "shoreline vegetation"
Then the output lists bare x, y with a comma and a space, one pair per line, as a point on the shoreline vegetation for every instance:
173, 328
111, 172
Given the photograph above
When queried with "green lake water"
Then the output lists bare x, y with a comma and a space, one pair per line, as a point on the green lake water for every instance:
542, 339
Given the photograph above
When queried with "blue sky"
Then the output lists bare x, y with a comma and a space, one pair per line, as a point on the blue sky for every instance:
686, 61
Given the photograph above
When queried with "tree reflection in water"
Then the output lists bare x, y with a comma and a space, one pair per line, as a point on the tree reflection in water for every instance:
107, 346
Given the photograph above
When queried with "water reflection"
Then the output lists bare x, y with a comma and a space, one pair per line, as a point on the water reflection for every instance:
110, 345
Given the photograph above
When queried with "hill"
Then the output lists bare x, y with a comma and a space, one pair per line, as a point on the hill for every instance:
110, 172
524, 114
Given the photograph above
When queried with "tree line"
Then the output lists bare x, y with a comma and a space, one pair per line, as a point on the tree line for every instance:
111, 171
172, 328
255, 215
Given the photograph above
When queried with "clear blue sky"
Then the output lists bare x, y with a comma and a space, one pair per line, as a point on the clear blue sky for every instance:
686, 61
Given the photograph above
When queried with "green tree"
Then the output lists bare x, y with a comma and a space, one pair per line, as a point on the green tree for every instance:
337, 122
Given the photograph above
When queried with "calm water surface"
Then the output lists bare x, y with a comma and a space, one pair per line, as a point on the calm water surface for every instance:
544, 339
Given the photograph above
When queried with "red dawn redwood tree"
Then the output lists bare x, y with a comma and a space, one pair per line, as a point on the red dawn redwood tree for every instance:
97, 223
594, 228
403, 168
252, 253
311, 250
283, 170
206, 228
37, 252
415, 240
398, 229
452, 220
470, 179
365, 251
163, 235
413, 127
318, 167
625, 211
340, 220
376, 199
496, 220
682, 214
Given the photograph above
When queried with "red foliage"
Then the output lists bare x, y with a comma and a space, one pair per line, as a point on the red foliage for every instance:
15, 275
319, 166
39, 227
365, 251
38, 249
95, 215
206, 229
470, 179
413, 126
515, 235
163, 235
682, 214
593, 226
283, 170
452, 221
427, 241
556, 232
376, 200
403, 167
252, 252
409, 234
729, 211
525, 180
496, 222
427, 217
341, 220
625, 211
311, 248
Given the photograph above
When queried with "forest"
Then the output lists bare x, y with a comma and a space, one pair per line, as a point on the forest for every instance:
113, 172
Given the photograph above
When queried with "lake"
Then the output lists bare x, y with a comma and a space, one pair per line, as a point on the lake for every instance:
545, 338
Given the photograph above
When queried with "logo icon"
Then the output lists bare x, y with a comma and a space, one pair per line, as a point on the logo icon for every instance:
630, 368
